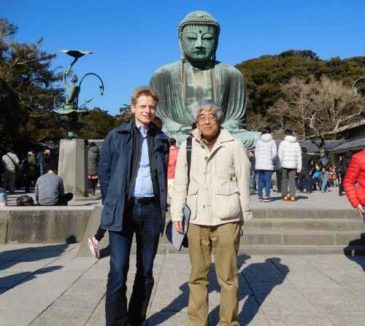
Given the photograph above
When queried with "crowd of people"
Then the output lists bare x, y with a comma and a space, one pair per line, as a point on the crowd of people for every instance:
295, 170
23, 173
34, 173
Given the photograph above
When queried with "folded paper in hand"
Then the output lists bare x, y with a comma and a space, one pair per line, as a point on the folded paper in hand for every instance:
177, 239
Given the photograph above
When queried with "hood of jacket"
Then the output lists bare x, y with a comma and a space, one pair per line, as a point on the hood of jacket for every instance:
266, 137
290, 139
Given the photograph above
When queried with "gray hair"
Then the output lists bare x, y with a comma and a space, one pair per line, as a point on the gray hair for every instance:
208, 105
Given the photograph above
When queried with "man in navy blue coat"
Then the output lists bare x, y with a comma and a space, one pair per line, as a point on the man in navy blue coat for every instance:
133, 181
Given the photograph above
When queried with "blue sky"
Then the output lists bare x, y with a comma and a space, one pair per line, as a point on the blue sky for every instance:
131, 39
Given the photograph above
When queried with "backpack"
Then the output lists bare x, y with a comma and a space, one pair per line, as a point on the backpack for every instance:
324, 162
24, 200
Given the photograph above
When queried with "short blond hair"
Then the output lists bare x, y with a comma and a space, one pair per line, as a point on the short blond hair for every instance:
144, 90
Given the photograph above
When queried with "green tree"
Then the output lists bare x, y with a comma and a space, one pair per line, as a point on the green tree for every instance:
266, 75
96, 124
11, 118
26, 69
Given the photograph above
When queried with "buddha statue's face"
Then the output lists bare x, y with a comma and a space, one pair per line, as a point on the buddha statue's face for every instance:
199, 43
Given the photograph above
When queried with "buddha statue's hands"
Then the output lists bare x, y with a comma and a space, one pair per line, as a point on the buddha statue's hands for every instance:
231, 125
172, 126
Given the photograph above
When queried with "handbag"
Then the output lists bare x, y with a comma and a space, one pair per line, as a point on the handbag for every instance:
179, 240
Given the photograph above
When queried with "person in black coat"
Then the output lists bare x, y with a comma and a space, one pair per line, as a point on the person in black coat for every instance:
305, 183
92, 163
133, 183
343, 162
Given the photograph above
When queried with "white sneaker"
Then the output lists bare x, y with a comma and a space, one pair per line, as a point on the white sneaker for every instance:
93, 246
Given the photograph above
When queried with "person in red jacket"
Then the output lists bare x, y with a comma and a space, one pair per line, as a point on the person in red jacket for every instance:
354, 182
174, 150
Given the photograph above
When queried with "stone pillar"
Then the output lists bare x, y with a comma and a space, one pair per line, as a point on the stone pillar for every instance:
72, 166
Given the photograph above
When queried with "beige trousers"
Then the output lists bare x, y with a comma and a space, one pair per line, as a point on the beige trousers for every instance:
223, 242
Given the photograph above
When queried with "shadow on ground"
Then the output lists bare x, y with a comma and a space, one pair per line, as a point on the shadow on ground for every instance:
10, 258
355, 251
256, 281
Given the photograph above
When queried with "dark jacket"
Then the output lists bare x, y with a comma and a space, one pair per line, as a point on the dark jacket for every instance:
324, 162
306, 162
343, 164
93, 159
115, 172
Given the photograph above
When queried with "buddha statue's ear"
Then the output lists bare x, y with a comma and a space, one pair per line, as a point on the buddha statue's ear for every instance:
214, 56
182, 55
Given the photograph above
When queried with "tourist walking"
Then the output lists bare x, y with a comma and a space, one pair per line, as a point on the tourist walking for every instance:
133, 184
290, 156
343, 161
354, 182
173, 152
218, 196
29, 171
324, 164
278, 173
92, 164
265, 153
10, 162
251, 157
305, 183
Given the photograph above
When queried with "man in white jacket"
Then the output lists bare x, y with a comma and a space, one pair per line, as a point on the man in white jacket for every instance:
290, 156
218, 195
10, 163
265, 153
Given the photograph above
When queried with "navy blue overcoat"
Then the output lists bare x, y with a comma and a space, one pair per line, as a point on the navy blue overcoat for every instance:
115, 171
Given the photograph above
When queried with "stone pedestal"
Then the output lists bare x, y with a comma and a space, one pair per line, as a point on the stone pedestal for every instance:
72, 166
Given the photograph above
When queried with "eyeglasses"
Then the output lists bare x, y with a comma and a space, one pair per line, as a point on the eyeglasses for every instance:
209, 118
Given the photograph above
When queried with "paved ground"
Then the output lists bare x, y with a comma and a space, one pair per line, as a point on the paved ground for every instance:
50, 285
317, 200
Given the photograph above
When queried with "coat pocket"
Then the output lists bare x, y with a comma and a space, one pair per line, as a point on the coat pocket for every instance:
192, 200
108, 214
227, 201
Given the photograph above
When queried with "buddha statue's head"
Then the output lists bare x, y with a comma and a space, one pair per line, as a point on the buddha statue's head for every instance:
198, 37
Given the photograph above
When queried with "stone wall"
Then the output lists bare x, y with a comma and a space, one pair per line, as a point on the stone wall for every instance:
45, 224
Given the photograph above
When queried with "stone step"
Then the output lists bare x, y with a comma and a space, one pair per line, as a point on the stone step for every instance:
301, 237
298, 237
353, 250
304, 213
306, 224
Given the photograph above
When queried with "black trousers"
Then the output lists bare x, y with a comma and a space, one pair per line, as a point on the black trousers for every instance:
143, 220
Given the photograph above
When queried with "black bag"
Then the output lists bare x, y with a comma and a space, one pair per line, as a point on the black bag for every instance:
24, 200
170, 231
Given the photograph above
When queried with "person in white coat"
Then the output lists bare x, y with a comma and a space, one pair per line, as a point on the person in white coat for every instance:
10, 163
265, 152
218, 195
290, 156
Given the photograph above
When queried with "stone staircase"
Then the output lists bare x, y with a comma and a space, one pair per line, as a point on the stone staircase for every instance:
299, 231
315, 224
304, 231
